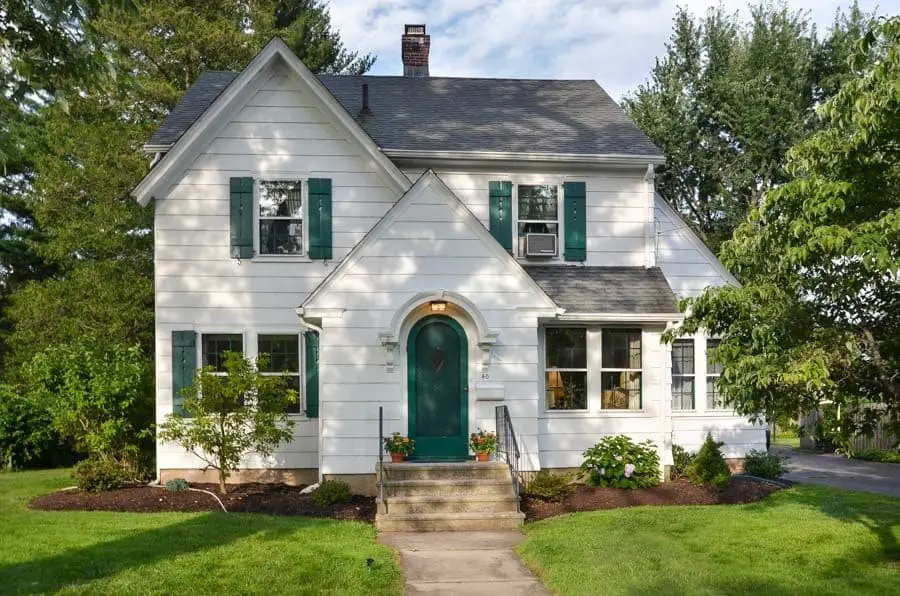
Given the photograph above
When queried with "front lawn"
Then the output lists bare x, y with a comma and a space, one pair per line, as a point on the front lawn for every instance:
806, 540
180, 553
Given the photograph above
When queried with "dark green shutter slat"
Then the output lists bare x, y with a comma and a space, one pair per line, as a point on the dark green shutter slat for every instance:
501, 213
241, 218
312, 374
184, 366
575, 221
320, 218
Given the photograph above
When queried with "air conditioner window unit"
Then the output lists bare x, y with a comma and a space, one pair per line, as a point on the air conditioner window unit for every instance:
540, 245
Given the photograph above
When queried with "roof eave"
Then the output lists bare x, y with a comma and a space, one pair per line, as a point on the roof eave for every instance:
151, 149
620, 317
579, 158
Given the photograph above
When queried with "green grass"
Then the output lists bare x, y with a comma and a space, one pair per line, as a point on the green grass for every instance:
786, 441
806, 540
178, 553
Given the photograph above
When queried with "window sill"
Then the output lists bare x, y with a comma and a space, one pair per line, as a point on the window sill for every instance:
706, 413
281, 259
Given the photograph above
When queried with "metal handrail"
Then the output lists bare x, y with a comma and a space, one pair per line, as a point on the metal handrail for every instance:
508, 448
381, 454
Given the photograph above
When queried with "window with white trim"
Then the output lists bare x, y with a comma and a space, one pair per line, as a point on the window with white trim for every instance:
565, 368
280, 227
683, 374
214, 346
714, 399
283, 353
537, 212
621, 369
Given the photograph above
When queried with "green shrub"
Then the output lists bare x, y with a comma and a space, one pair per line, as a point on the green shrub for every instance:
618, 462
764, 465
709, 465
681, 459
331, 492
882, 455
549, 487
176, 485
96, 475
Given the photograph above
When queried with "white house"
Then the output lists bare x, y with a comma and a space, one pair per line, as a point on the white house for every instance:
433, 248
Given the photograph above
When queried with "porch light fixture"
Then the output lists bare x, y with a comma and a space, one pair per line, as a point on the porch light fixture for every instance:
438, 306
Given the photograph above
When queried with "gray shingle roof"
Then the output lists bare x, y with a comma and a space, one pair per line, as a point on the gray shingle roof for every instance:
458, 114
635, 290
193, 103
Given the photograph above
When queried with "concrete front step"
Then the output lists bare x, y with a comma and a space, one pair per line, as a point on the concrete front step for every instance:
448, 522
445, 471
453, 488
443, 504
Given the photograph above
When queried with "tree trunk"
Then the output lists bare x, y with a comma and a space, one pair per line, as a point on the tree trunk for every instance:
222, 477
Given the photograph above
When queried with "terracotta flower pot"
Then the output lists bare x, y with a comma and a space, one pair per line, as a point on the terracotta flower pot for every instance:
483, 456
397, 458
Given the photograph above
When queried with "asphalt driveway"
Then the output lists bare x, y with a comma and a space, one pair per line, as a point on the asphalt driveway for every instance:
840, 472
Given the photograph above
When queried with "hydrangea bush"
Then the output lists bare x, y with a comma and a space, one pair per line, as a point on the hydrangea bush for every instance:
619, 462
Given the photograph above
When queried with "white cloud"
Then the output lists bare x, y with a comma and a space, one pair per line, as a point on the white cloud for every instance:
612, 41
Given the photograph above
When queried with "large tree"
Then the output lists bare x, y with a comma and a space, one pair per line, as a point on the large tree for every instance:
727, 101
818, 316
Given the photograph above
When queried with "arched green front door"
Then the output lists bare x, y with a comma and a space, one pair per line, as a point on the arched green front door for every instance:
437, 366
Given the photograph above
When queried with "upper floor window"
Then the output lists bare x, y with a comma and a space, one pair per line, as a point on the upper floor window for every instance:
566, 368
537, 220
621, 372
683, 374
280, 217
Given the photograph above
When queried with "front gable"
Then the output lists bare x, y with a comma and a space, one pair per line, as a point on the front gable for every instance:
250, 87
429, 241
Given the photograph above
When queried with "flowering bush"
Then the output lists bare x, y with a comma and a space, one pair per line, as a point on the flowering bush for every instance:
618, 462
397, 443
483, 441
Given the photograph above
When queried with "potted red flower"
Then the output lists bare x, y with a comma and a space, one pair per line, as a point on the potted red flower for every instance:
483, 443
399, 447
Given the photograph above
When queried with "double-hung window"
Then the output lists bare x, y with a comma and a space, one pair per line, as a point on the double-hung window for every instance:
714, 399
621, 369
537, 213
283, 360
565, 367
683, 374
214, 347
280, 217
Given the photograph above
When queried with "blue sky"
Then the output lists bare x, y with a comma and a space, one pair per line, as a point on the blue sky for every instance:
611, 41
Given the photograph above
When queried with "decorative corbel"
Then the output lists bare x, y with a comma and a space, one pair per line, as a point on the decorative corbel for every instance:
485, 343
389, 343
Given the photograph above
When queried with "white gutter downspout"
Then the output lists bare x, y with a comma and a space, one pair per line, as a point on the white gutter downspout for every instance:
307, 325
667, 430
649, 213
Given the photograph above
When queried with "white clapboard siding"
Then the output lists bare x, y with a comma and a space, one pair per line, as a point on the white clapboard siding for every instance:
687, 266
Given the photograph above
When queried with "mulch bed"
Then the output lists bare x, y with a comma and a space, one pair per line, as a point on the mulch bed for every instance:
275, 499
674, 492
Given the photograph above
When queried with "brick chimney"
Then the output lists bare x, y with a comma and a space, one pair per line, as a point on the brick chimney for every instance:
414, 51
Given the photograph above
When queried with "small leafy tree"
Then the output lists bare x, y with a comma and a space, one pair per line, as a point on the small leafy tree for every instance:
26, 430
709, 465
232, 415
100, 397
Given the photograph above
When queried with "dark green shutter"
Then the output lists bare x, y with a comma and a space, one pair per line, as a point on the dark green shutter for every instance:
184, 367
575, 221
312, 374
241, 218
501, 213
320, 218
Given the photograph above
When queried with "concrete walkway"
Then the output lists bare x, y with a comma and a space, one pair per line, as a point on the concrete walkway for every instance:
840, 472
464, 563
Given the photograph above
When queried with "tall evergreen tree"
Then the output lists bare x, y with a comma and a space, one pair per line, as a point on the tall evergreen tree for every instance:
728, 100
